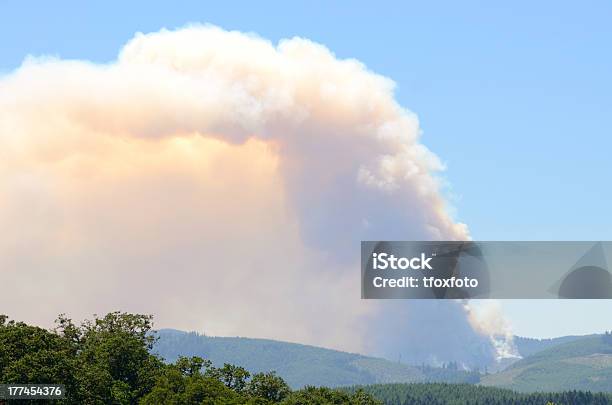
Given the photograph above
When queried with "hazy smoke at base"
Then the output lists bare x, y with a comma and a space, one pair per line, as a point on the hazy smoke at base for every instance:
486, 317
213, 179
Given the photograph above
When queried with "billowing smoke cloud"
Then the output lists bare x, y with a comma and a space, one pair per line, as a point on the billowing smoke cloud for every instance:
215, 180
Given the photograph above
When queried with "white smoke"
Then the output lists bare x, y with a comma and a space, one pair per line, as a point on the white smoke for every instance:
486, 317
211, 178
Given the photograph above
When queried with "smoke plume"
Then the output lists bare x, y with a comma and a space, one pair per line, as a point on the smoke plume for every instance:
216, 180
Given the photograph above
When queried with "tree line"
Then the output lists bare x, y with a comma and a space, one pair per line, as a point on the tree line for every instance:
468, 394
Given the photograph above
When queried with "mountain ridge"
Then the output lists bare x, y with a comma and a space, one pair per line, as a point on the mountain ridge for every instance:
300, 364
581, 364
567, 362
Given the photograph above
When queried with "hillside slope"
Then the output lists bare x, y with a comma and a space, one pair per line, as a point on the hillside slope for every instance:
299, 365
583, 364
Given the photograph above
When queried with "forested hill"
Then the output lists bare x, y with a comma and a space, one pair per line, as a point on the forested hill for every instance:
300, 365
110, 360
584, 364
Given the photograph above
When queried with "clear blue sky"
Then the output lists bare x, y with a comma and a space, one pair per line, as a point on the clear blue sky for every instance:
515, 97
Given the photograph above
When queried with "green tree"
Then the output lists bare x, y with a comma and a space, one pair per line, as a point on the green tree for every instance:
268, 386
234, 377
114, 359
104, 360
32, 355
184, 383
